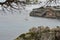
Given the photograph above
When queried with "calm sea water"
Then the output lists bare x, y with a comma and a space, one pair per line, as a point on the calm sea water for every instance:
12, 25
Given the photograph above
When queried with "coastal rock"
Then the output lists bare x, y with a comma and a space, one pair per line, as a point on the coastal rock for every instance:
46, 34
47, 12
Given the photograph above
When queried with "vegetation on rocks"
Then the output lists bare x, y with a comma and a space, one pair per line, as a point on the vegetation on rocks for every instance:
41, 33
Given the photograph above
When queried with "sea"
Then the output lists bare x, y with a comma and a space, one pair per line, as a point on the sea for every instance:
13, 23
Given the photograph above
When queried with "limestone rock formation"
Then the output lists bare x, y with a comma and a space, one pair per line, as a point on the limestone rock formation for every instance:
47, 12
41, 33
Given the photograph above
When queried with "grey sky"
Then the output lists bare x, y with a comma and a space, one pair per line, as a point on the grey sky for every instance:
2, 0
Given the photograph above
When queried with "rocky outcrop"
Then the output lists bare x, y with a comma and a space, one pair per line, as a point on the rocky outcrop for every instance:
41, 33
47, 12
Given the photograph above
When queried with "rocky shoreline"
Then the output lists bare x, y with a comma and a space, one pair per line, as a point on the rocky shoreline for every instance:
46, 12
41, 33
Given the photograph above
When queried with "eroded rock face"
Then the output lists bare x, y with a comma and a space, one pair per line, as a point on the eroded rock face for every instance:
47, 12
42, 33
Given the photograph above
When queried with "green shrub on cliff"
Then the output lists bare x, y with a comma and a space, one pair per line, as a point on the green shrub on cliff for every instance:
41, 33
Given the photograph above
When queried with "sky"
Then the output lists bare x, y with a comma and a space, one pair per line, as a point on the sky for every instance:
2, 0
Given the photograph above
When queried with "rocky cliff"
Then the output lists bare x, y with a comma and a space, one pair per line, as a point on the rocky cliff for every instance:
47, 12
41, 33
